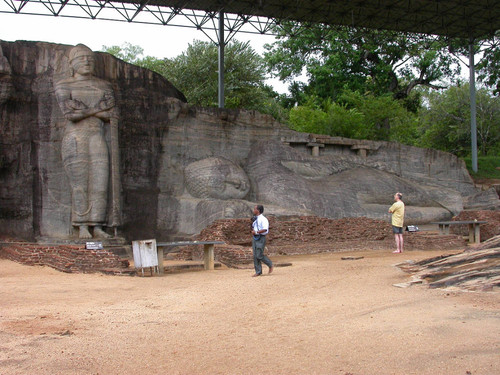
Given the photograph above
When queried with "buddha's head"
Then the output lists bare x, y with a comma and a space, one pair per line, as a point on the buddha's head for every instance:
82, 60
216, 177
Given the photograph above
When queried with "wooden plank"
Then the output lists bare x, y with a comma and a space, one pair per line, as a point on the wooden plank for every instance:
458, 222
208, 251
473, 226
477, 234
188, 243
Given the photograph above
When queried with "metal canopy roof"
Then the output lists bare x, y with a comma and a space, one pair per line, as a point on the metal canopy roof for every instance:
453, 18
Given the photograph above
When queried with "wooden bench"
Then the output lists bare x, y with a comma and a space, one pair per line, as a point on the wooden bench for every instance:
474, 228
208, 252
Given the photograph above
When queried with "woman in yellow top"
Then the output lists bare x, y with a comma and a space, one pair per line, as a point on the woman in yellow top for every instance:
398, 214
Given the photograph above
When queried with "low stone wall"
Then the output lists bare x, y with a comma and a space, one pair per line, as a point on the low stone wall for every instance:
233, 255
311, 235
291, 235
65, 258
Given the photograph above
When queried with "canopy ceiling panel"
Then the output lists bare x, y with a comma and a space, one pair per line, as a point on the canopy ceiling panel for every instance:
453, 18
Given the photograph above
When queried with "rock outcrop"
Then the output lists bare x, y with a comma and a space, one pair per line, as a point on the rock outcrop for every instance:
6, 87
183, 167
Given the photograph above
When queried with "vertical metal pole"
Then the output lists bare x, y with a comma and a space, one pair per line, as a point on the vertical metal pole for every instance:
221, 59
473, 125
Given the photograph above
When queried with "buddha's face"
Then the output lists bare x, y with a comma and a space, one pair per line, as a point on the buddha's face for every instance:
216, 178
236, 184
84, 64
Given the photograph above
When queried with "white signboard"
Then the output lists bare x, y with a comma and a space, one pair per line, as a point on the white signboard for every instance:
145, 254
93, 245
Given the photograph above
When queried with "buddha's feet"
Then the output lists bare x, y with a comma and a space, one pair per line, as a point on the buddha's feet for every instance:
100, 233
84, 232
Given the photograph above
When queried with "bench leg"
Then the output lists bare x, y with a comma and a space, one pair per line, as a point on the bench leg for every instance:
471, 233
477, 233
444, 229
208, 256
161, 269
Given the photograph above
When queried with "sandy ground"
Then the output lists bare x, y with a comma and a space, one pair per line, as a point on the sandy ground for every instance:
322, 315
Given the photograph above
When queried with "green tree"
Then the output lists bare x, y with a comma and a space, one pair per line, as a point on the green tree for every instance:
135, 55
489, 66
357, 116
308, 120
487, 55
369, 61
127, 52
195, 73
445, 124
385, 118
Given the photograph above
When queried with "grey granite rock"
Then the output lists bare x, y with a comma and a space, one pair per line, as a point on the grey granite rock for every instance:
177, 161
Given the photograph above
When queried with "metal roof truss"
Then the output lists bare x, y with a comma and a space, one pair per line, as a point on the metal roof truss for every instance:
205, 21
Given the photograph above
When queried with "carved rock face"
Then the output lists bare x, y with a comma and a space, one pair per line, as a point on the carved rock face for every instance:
216, 177
337, 186
159, 135
88, 104
6, 87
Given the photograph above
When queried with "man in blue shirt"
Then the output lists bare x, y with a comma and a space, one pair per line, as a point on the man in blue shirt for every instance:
260, 228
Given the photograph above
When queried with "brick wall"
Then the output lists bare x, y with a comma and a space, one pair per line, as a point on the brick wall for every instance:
288, 236
65, 258
311, 235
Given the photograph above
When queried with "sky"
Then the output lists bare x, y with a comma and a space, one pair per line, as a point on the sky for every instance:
158, 41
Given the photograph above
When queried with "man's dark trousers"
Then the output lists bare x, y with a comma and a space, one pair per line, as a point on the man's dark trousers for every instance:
258, 254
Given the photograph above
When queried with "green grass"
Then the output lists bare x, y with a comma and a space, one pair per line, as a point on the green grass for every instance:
486, 167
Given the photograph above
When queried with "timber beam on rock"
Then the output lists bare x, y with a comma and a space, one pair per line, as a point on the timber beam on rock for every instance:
477, 270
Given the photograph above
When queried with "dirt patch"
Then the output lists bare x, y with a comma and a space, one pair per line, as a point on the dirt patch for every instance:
322, 315
39, 325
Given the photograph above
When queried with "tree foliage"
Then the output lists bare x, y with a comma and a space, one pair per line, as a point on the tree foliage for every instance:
487, 55
128, 52
369, 61
362, 84
359, 116
135, 55
195, 73
445, 124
